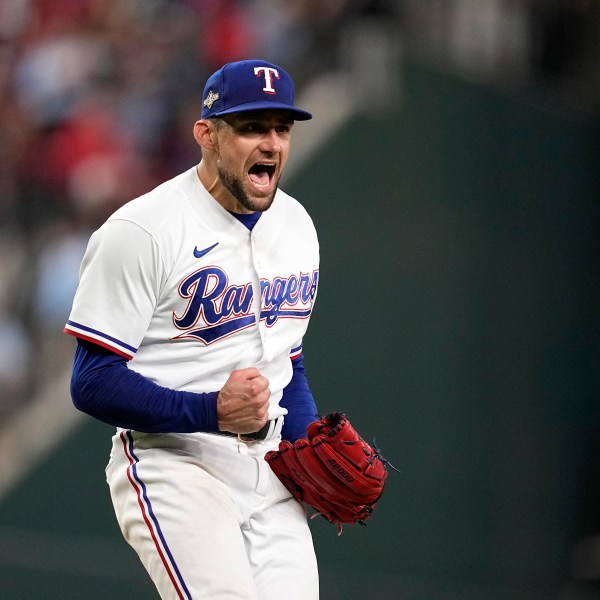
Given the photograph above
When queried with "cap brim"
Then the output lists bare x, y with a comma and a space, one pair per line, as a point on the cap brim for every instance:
299, 115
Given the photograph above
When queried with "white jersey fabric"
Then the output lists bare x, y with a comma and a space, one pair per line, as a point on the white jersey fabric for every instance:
175, 283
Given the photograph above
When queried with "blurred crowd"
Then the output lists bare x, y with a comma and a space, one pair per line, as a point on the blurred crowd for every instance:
98, 98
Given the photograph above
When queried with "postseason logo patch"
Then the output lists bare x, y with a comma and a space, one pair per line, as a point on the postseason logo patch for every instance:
216, 310
210, 99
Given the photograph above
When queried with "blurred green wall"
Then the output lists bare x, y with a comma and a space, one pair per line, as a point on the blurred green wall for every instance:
456, 322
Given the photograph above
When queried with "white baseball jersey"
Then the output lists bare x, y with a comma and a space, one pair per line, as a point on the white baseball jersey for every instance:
178, 285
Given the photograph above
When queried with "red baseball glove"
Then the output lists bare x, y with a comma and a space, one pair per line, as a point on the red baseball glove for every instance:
333, 470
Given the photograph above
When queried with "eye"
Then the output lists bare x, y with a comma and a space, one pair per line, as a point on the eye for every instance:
251, 127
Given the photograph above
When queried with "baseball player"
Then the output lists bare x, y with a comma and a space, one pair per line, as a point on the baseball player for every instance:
189, 317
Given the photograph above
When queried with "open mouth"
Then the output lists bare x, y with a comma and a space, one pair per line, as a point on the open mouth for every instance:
261, 174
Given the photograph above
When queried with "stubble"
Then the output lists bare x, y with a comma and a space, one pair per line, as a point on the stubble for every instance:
238, 190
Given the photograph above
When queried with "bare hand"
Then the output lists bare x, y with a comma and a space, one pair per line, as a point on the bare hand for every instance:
243, 401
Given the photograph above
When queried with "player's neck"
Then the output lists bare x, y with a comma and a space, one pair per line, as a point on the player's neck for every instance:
208, 180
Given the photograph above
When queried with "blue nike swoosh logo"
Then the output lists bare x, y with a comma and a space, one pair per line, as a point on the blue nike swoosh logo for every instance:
201, 253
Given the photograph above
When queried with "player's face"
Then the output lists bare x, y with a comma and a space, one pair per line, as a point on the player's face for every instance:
252, 150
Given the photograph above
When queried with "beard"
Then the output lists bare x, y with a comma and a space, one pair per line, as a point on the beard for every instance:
237, 189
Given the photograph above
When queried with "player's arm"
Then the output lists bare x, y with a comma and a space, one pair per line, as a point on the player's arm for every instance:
299, 401
104, 387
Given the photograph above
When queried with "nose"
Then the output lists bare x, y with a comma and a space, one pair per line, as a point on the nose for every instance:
270, 142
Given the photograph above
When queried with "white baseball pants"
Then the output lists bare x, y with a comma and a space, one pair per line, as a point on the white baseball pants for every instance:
209, 519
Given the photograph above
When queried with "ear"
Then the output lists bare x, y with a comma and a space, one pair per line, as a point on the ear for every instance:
204, 134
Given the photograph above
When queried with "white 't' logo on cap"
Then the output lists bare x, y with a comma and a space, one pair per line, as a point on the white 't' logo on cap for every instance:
269, 73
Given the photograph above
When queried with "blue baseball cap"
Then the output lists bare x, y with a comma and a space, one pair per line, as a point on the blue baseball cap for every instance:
250, 85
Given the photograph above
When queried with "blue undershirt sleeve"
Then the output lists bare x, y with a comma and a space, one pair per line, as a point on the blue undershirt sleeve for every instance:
103, 386
299, 401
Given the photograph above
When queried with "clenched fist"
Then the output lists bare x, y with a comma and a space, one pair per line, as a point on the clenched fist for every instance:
243, 401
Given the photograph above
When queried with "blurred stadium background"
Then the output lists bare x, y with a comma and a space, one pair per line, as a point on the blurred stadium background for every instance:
452, 170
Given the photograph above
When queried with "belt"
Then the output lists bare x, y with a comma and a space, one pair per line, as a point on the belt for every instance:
262, 434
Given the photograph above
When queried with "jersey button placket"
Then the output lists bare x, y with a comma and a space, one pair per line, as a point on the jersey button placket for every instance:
256, 261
